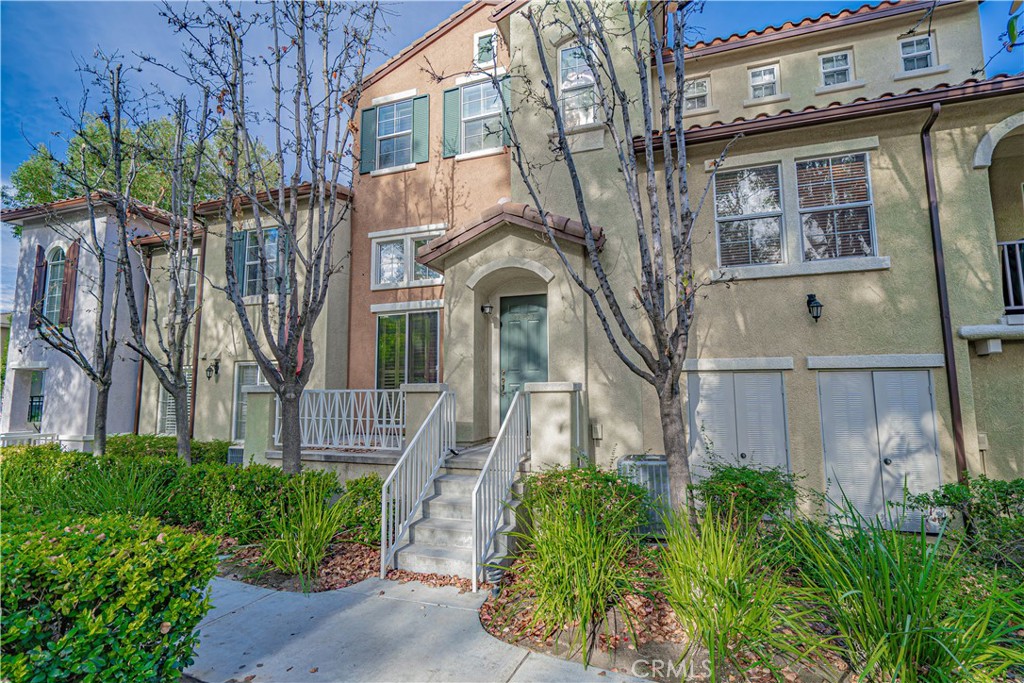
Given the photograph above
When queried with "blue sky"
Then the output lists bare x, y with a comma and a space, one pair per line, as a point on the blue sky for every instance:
40, 42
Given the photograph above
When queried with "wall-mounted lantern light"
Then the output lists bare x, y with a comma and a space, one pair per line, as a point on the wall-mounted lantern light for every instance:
213, 369
814, 307
487, 309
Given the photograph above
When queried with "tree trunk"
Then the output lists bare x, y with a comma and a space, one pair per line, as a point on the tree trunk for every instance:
673, 430
99, 429
291, 432
182, 415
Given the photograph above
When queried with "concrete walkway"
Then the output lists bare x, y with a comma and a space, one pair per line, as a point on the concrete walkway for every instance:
373, 631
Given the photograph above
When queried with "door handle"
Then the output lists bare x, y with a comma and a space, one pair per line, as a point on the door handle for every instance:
743, 456
887, 461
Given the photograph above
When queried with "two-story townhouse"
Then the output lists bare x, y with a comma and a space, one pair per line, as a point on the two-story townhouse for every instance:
223, 370
879, 172
45, 392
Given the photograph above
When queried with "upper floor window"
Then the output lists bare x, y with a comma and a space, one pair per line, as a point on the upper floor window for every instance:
54, 284
835, 206
764, 82
394, 134
485, 48
250, 283
481, 117
697, 94
576, 87
917, 53
748, 210
394, 262
836, 68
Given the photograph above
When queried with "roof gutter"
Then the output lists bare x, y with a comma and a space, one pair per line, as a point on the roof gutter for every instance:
940, 278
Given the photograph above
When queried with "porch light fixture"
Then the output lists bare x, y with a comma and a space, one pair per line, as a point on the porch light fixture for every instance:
487, 309
213, 369
814, 306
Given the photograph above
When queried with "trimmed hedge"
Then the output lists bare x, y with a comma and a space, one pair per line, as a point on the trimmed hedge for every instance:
109, 599
142, 445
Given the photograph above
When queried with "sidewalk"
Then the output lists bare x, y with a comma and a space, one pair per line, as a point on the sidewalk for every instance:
373, 631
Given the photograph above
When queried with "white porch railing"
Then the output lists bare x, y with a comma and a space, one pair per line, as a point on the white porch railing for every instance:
413, 477
1011, 262
26, 439
350, 418
493, 489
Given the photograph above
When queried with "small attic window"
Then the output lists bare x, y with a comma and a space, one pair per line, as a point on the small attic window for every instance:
485, 48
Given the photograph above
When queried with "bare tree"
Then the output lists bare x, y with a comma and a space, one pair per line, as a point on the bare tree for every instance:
626, 53
314, 72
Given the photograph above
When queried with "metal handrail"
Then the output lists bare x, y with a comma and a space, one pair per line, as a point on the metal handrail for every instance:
349, 418
493, 489
1011, 261
412, 478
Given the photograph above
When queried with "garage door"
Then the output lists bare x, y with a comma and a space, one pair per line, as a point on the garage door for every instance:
738, 418
878, 430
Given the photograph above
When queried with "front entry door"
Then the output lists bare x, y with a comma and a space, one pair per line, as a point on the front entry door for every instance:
524, 344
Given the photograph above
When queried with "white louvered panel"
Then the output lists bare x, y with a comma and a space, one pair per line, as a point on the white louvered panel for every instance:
906, 437
712, 419
850, 441
761, 419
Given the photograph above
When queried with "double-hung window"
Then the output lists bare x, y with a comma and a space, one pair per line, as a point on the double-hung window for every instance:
250, 279
485, 49
481, 117
835, 207
394, 262
917, 53
576, 87
764, 82
246, 375
407, 349
697, 94
748, 211
54, 284
836, 68
394, 134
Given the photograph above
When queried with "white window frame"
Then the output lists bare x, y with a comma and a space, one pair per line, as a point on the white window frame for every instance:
688, 97
869, 204
51, 303
250, 235
930, 52
776, 81
261, 381
376, 341
390, 136
477, 37
848, 68
563, 91
409, 257
463, 120
165, 401
780, 214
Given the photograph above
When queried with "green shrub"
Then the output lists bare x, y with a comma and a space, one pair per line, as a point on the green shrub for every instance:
885, 591
107, 599
361, 505
579, 531
728, 597
34, 478
151, 445
746, 493
136, 487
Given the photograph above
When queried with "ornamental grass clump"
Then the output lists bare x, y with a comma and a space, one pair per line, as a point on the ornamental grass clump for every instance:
579, 532
885, 592
727, 595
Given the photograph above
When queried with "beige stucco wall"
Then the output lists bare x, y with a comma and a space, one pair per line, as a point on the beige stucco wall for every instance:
999, 401
221, 337
1006, 178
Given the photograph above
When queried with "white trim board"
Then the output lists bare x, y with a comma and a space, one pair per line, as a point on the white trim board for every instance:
413, 230
729, 364
885, 360
402, 306
795, 153
393, 97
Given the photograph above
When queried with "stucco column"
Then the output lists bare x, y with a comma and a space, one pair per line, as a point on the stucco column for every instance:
260, 418
419, 399
556, 424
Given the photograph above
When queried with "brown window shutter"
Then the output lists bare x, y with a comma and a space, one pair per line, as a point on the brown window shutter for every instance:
67, 294
38, 288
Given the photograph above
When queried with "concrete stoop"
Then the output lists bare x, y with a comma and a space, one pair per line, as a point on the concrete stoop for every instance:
440, 541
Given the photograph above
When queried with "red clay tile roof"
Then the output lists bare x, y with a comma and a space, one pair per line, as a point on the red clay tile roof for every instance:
887, 103
214, 205
511, 213
72, 203
506, 7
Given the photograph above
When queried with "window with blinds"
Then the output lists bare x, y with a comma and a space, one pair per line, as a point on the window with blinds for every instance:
748, 210
407, 349
167, 415
835, 207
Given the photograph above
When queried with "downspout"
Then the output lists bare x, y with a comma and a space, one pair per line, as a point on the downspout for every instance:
145, 317
940, 277
195, 334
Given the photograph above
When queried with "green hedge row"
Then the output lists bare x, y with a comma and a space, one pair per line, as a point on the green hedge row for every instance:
150, 445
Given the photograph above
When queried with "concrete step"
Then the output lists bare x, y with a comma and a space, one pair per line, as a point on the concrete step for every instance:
445, 533
429, 559
447, 507
456, 485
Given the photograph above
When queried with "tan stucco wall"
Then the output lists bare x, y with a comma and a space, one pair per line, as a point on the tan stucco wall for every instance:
438, 191
1006, 177
999, 401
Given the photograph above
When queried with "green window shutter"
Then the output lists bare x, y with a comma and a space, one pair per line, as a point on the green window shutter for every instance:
238, 252
452, 142
368, 140
506, 107
284, 253
421, 129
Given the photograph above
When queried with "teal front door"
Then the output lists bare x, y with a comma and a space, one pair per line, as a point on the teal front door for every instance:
524, 344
